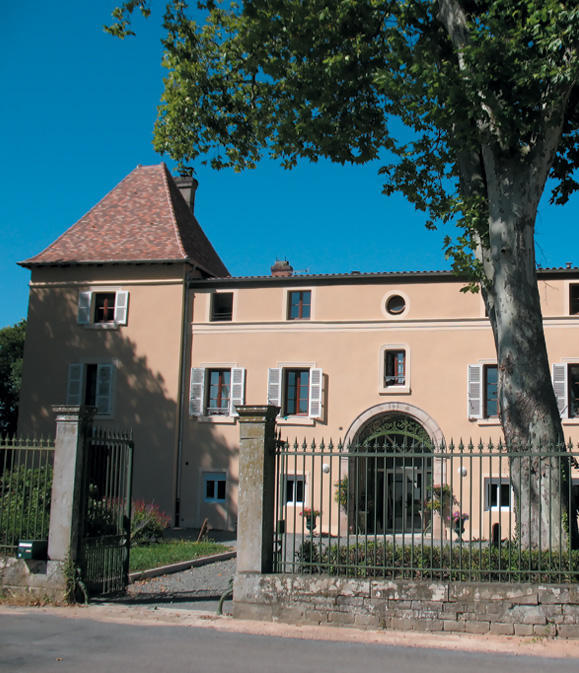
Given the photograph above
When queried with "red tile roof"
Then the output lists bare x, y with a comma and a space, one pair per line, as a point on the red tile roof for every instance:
143, 219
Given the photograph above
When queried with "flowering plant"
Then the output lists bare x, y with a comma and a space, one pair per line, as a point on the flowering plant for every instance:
459, 516
309, 512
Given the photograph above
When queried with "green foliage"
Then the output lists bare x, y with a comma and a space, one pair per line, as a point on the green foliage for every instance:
147, 522
442, 500
473, 82
11, 353
459, 562
342, 493
25, 504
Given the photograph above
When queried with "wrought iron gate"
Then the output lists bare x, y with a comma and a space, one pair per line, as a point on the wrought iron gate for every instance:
104, 541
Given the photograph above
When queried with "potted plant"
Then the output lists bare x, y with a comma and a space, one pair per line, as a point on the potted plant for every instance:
441, 502
310, 517
458, 519
341, 494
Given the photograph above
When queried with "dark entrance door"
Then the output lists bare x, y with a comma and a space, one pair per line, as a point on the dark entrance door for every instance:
392, 470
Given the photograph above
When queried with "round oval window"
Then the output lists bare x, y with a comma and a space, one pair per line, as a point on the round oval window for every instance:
395, 304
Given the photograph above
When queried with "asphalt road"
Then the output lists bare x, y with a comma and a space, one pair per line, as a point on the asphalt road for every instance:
38, 642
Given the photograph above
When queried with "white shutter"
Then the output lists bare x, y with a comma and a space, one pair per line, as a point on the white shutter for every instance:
74, 384
121, 306
237, 389
84, 301
274, 386
197, 391
560, 388
316, 380
474, 391
104, 389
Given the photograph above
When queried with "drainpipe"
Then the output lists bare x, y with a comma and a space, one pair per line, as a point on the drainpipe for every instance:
181, 415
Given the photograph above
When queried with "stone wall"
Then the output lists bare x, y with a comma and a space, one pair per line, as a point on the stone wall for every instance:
510, 609
43, 579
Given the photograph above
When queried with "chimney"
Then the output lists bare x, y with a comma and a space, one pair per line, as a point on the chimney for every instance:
282, 268
187, 186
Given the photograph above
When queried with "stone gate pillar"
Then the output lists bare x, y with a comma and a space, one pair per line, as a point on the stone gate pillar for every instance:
71, 423
255, 523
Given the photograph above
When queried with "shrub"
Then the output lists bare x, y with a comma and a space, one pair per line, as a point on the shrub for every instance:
25, 504
147, 522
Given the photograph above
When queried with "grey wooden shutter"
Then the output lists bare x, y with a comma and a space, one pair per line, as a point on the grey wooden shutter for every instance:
237, 389
274, 386
316, 380
121, 307
197, 391
474, 391
84, 302
560, 388
104, 389
74, 384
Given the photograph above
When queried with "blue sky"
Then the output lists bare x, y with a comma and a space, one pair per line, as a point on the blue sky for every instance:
77, 116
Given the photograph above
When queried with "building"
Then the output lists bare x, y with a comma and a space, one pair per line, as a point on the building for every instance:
133, 311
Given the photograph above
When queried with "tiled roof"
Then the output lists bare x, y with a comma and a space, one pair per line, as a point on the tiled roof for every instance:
143, 219
358, 276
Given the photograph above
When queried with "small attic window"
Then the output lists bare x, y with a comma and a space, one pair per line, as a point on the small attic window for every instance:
221, 306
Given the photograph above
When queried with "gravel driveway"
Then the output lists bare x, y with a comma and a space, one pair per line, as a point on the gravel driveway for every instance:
198, 588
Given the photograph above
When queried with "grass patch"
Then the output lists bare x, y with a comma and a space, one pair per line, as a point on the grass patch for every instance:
171, 551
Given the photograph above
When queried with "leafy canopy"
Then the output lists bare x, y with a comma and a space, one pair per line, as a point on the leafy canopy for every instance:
11, 353
327, 78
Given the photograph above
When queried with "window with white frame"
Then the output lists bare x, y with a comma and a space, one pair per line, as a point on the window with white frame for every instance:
107, 308
214, 486
566, 387
296, 390
299, 303
295, 485
482, 391
498, 493
216, 391
92, 385
394, 367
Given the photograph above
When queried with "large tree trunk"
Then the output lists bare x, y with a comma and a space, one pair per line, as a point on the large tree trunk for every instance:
528, 407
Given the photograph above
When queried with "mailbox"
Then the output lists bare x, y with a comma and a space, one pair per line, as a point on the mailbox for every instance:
36, 550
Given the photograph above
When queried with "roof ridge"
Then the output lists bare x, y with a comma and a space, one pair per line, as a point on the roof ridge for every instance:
176, 229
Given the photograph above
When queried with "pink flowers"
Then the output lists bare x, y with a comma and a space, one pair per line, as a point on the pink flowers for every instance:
309, 512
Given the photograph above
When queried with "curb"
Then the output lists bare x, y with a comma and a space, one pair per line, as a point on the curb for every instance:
178, 567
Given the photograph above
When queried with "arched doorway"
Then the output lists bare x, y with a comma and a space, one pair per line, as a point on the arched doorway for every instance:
390, 473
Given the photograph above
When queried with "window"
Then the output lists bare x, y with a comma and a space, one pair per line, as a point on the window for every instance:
574, 299
394, 368
103, 308
91, 384
216, 392
395, 304
294, 489
298, 391
497, 493
482, 391
214, 486
299, 305
221, 306
566, 387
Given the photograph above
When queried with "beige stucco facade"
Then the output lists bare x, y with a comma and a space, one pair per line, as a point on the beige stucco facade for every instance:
145, 354
442, 331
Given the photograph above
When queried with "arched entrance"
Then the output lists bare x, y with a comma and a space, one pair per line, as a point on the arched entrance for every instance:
390, 473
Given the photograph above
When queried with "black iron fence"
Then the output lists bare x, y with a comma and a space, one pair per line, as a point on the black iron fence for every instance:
25, 491
452, 512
